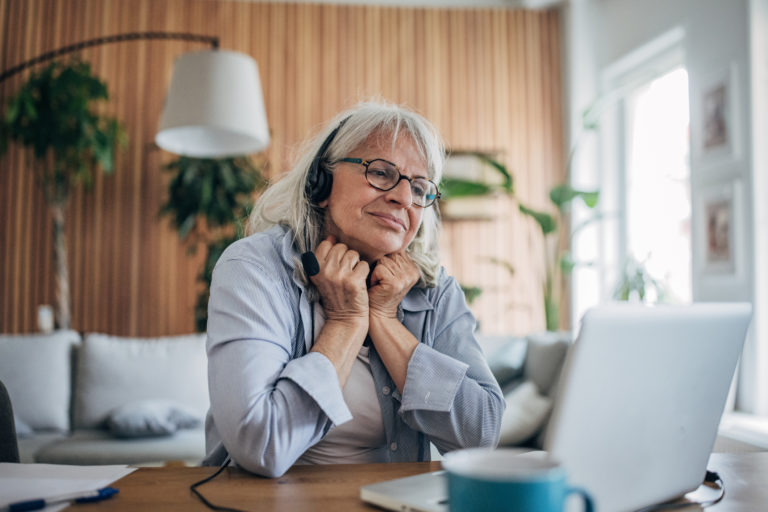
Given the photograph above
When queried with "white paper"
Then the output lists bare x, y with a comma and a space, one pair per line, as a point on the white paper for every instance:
22, 482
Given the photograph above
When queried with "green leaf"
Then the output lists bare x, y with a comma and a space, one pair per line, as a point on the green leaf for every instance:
567, 263
508, 182
590, 198
451, 188
186, 226
561, 195
471, 293
503, 263
546, 222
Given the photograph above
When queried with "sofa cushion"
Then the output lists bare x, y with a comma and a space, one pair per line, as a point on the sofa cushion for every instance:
546, 354
113, 371
22, 427
151, 418
505, 355
30, 446
36, 369
525, 414
99, 447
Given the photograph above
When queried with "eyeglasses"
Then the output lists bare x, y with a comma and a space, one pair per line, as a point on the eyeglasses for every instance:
384, 175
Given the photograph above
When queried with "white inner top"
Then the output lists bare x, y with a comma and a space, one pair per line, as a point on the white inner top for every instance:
362, 439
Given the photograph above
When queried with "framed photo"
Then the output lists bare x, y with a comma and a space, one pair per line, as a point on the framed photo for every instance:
717, 124
720, 228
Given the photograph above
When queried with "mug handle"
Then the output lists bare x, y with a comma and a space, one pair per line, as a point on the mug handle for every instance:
588, 506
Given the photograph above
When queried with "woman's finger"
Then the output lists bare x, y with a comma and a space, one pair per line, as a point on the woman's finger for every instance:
336, 253
350, 259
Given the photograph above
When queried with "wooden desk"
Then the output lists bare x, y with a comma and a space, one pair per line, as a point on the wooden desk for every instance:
337, 487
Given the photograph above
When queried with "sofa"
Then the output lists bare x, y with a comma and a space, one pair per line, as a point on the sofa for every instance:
101, 399
528, 371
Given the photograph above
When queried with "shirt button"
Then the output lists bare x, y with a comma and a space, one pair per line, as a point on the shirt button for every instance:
385, 390
393, 447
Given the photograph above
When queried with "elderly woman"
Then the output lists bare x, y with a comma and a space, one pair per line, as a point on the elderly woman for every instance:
365, 352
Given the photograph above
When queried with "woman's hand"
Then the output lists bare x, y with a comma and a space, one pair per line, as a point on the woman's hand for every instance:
341, 282
392, 278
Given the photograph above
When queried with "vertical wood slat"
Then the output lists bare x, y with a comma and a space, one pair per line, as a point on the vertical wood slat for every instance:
488, 78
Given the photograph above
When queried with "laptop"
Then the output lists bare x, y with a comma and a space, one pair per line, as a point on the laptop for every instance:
637, 410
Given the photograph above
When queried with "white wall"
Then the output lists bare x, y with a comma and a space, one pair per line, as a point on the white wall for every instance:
716, 42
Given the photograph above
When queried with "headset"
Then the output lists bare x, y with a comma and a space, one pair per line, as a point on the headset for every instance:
319, 178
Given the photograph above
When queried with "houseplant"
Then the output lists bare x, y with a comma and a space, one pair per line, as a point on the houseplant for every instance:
636, 284
207, 201
558, 261
52, 115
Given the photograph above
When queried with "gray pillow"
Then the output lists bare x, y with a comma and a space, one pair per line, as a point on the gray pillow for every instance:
505, 356
36, 370
546, 354
22, 429
507, 363
151, 418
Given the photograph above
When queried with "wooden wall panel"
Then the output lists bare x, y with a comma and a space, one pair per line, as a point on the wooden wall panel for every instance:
489, 79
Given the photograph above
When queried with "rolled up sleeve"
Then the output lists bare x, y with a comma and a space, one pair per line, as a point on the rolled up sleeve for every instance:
432, 380
450, 393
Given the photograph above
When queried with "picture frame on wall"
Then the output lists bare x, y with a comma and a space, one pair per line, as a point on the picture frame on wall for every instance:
720, 228
718, 128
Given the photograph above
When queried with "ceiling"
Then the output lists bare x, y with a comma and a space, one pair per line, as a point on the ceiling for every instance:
506, 4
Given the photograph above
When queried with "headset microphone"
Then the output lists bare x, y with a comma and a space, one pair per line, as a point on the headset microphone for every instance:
310, 264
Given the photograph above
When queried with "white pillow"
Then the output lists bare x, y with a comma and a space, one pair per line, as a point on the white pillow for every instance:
114, 371
525, 414
151, 418
22, 429
37, 369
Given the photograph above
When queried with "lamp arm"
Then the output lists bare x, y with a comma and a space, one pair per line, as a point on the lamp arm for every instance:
117, 38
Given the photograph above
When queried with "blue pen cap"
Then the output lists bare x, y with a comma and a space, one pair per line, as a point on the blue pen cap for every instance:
105, 493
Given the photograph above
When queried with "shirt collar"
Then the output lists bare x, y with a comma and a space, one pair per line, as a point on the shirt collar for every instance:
416, 300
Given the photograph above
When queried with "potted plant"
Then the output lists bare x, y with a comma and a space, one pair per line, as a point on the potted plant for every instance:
558, 261
636, 284
52, 115
207, 200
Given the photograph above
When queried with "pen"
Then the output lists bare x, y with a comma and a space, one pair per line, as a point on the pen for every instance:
78, 497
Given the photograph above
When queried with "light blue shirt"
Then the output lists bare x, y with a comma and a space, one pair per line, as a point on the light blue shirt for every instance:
271, 398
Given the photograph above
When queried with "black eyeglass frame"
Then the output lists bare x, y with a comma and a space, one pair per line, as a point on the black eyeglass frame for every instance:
401, 177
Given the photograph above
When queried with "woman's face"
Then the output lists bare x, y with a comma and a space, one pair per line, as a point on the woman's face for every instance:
373, 222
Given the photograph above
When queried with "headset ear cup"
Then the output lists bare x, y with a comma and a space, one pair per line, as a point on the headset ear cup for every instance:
319, 178
324, 183
319, 182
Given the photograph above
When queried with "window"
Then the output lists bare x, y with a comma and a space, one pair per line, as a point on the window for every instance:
656, 221
642, 169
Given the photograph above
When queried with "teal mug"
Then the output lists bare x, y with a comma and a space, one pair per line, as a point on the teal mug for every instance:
507, 480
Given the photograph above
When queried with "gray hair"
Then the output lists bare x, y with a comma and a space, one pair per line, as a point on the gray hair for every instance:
286, 203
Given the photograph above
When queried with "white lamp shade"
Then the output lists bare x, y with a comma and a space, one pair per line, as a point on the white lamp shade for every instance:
214, 107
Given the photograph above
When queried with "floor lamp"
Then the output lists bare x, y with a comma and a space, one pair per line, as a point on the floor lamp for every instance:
213, 109
214, 106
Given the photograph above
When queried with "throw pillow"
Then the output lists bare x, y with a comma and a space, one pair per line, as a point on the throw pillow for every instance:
506, 362
115, 370
151, 418
525, 414
36, 370
546, 354
22, 428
